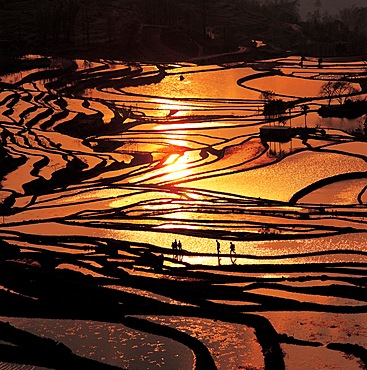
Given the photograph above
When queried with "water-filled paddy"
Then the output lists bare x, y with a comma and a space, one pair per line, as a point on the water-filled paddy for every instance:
102, 172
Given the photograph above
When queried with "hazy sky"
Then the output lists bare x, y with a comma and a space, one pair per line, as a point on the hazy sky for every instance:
332, 6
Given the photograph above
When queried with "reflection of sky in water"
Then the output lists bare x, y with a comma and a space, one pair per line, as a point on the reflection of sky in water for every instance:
339, 123
175, 147
357, 148
212, 110
336, 327
289, 86
309, 298
113, 344
341, 192
231, 345
320, 327
209, 84
281, 248
317, 358
281, 180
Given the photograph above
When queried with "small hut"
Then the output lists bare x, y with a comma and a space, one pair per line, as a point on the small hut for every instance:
281, 134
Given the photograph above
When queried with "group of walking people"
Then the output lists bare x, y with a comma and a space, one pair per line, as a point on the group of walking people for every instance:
232, 247
176, 245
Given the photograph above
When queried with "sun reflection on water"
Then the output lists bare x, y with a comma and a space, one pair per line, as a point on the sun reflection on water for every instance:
178, 167
184, 126
171, 108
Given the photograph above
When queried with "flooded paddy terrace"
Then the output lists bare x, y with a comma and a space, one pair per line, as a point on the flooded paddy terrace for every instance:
104, 164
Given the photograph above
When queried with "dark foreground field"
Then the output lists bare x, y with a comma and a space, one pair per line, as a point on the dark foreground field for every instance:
125, 287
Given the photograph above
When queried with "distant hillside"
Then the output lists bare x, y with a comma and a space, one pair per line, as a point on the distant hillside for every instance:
331, 6
171, 30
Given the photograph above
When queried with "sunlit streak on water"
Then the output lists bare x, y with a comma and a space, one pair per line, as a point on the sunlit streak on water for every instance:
171, 108
283, 179
171, 159
280, 248
176, 226
179, 142
177, 168
139, 197
184, 126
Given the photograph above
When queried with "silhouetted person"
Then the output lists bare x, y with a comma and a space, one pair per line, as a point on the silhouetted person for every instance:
232, 248
320, 62
179, 245
174, 246
218, 247
303, 58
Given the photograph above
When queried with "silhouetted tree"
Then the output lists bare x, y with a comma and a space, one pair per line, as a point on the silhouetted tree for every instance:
338, 90
267, 95
305, 109
282, 11
87, 8
317, 13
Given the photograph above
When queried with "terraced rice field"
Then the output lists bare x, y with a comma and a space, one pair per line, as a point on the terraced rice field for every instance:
104, 164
